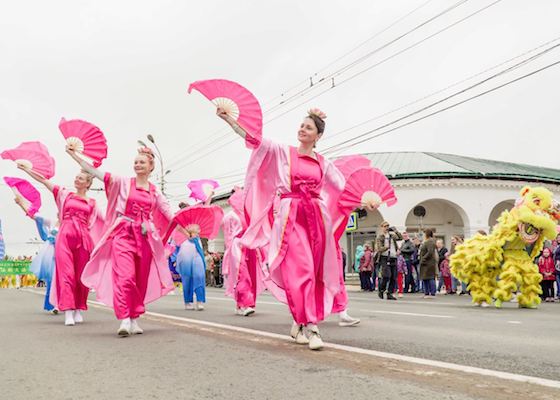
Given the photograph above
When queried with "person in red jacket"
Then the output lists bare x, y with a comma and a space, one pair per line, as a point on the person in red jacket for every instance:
546, 268
366, 267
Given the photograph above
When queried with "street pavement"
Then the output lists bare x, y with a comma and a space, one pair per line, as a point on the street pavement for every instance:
177, 357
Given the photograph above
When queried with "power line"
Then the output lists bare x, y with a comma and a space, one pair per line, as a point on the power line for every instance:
534, 72
332, 136
361, 59
387, 58
374, 36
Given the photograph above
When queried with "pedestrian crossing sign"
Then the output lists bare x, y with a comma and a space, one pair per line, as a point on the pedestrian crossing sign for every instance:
352, 224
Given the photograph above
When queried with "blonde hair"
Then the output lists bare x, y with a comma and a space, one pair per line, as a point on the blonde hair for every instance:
89, 177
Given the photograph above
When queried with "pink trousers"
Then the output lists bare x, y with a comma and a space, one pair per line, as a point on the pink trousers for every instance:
132, 257
302, 270
70, 259
246, 288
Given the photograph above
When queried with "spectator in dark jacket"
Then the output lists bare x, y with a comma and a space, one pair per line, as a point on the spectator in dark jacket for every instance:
407, 250
386, 247
428, 264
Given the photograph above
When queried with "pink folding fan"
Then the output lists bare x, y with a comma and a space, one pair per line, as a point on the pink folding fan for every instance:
25, 190
85, 138
33, 155
238, 102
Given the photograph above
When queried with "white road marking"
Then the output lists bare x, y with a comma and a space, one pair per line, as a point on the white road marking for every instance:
408, 314
233, 301
357, 350
514, 322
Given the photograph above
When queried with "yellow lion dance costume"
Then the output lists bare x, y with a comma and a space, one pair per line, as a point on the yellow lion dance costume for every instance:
500, 264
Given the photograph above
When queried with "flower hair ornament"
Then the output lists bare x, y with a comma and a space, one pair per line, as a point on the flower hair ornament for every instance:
147, 152
318, 113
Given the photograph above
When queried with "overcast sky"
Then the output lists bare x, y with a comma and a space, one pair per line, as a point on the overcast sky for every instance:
126, 65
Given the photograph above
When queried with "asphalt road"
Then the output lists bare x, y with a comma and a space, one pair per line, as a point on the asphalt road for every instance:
41, 358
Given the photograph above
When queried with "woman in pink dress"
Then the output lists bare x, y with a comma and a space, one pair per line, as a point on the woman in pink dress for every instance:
80, 223
241, 267
303, 264
128, 267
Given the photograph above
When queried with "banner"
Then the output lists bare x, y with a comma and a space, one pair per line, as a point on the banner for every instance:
8, 267
2, 245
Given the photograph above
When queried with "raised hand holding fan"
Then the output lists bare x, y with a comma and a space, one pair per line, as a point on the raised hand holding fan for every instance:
34, 156
26, 192
237, 102
365, 186
201, 189
206, 218
84, 138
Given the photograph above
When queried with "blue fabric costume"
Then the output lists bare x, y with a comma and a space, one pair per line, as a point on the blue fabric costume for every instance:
42, 265
192, 268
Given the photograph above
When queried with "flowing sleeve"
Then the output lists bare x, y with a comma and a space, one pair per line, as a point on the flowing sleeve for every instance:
114, 186
262, 181
42, 227
162, 214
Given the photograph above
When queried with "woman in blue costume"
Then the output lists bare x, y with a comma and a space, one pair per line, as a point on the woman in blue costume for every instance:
42, 265
192, 266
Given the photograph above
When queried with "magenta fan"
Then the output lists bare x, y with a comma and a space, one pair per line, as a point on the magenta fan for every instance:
348, 164
33, 155
364, 185
201, 189
85, 138
238, 102
27, 192
207, 218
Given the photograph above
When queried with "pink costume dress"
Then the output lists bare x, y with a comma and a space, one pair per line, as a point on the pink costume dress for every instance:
128, 267
241, 266
303, 262
79, 221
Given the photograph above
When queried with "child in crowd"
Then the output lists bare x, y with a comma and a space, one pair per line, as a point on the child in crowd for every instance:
446, 274
548, 272
402, 270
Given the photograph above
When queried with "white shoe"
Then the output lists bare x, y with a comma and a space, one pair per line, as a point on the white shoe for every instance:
135, 328
484, 305
124, 329
513, 299
294, 330
300, 336
248, 311
477, 304
189, 306
199, 306
346, 320
238, 311
78, 318
399, 295
69, 318
315, 341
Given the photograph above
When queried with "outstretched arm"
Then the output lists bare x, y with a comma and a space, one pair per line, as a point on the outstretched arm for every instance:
37, 176
90, 169
220, 112
21, 204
